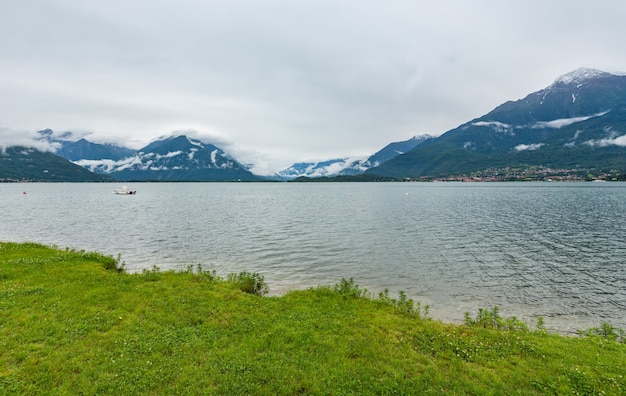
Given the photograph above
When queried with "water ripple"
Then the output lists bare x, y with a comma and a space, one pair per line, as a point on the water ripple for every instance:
549, 249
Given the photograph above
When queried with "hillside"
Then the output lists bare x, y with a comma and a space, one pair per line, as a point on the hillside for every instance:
346, 167
578, 122
176, 158
83, 149
19, 163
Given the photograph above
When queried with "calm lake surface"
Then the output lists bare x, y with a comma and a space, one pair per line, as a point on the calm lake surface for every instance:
556, 250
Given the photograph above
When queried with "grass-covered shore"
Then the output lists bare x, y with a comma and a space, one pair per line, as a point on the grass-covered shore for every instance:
72, 323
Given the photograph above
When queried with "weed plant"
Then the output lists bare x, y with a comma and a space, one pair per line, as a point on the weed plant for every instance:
350, 289
251, 283
72, 323
606, 331
491, 319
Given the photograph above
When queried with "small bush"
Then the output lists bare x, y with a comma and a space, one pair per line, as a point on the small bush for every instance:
491, 319
541, 325
251, 283
109, 263
201, 273
151, 275
607, 331
404, 304
349, 288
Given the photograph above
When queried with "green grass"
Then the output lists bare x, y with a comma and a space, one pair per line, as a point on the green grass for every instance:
72, 323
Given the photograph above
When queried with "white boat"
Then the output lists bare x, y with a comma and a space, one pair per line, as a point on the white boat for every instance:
124, 191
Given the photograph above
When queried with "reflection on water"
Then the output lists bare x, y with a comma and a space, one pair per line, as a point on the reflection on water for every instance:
549, 249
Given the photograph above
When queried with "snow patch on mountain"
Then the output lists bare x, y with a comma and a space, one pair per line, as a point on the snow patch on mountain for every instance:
580, 76
191, 153
195, 142
214, 154
156, 156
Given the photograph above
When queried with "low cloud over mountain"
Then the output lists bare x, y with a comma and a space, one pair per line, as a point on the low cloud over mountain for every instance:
579, 121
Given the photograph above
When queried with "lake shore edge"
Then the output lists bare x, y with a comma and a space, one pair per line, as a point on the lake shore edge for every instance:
75, 321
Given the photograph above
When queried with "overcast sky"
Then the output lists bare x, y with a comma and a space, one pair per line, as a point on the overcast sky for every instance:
275, 82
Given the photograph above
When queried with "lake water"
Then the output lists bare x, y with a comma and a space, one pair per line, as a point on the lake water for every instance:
556, 250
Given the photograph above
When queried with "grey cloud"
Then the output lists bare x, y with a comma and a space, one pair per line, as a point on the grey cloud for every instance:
10, 137
284, 81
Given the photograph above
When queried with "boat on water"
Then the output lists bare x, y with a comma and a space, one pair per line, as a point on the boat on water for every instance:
124, 191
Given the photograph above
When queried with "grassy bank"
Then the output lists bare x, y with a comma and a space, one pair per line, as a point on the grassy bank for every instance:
70, 323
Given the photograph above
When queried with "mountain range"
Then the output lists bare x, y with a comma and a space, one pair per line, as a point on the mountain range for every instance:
351, 166
575, 125
177, 158
181, 158
19, 163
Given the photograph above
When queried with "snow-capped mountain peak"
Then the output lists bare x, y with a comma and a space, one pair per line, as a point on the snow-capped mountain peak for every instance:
179, 158
354, 165
329, 168
580, 76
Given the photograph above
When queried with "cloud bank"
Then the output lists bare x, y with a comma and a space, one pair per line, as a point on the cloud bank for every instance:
284, 82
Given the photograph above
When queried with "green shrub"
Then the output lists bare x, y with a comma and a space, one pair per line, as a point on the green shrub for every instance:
491, 319
608, 331
349, 288
251, 283
404, 304
202, 274
109, 263
151, 275
541, 325
115, 264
